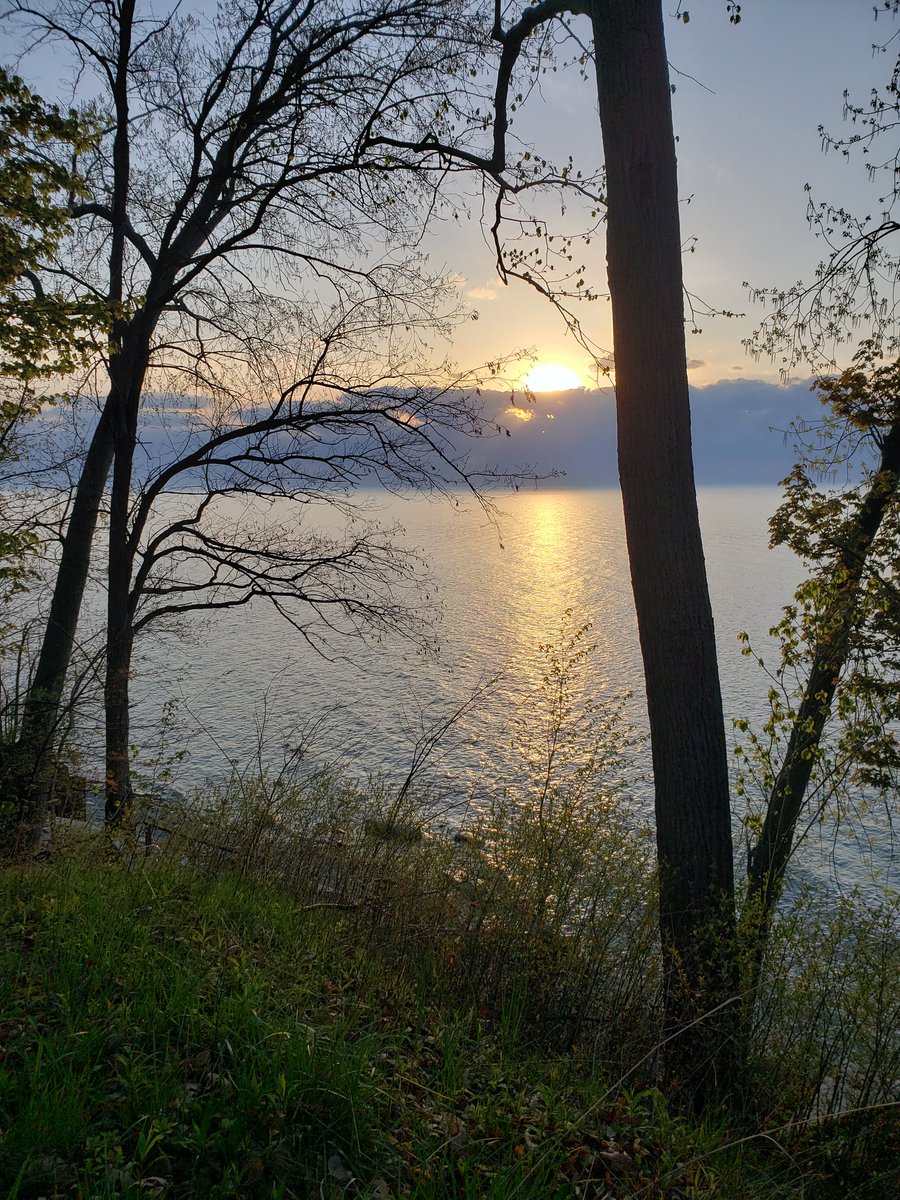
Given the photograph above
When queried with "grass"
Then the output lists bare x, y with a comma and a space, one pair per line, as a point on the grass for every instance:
170, 1033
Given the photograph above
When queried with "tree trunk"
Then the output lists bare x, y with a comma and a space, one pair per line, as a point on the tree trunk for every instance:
119, 635
129, 369
769, 858
117, 708
42, 705
693, 825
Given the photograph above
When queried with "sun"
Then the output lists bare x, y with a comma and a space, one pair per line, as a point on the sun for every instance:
551, 377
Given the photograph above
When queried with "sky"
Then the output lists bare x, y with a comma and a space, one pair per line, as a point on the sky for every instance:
748, 102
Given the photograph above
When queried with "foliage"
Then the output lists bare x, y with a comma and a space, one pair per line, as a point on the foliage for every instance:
826, 1031
42, 333
820, 524
831, 736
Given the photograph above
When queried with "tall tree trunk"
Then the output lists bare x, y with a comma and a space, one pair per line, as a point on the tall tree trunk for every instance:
119, 637
693, 826
42, 705
769, 858
119, 628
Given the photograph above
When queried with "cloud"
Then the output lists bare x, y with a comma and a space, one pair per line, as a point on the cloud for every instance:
694, 363
738, 427
740, 430
481, 293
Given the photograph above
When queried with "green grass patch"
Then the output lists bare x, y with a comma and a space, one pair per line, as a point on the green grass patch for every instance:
168, 1033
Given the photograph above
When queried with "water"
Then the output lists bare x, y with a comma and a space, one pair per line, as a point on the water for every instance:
247, 685
504, 584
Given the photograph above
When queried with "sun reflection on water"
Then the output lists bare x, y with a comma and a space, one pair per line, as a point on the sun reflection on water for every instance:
550, 567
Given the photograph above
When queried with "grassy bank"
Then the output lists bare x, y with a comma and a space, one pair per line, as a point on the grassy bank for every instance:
177, 1032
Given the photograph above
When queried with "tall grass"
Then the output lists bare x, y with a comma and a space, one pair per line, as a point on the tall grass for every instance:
218, 1039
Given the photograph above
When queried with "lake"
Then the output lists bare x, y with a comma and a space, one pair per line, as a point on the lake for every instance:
247, 685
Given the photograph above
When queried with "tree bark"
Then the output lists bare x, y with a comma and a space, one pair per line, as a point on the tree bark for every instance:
117, 709
668, 573
129, 369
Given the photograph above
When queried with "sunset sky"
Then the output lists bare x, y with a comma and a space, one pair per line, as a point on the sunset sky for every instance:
748, 103
747, 125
